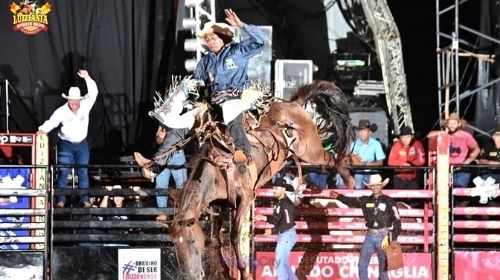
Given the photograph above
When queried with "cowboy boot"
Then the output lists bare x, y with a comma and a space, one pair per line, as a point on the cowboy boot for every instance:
141, 160
148, 174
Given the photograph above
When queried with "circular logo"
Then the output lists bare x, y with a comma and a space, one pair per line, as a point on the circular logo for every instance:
471, 237
493, 237
471, 224
493, 224
492, 211
471, 210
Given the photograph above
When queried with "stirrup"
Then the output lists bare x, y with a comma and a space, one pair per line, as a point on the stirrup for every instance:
239, 157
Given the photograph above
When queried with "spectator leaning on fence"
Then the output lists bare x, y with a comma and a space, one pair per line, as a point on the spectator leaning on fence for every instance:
406, 151
380, 213
365, 151
463, 149
175, 164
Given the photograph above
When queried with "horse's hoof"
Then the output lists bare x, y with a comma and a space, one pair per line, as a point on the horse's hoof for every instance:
242, 168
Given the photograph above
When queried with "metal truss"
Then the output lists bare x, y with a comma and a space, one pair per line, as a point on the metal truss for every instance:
453, 46
388, 46
198, 13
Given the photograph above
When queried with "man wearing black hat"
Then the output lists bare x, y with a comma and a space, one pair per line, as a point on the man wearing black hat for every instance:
365, 151
284, 225
406, 151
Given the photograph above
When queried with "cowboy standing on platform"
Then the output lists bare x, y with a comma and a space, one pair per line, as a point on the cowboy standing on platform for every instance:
73, 117
380, 213
284, 225
223, 70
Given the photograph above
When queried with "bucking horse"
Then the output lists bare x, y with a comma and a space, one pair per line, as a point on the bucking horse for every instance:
297, 130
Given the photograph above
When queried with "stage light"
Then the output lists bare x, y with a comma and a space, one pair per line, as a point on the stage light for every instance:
190, 45
188, 23
192, 3
190, 64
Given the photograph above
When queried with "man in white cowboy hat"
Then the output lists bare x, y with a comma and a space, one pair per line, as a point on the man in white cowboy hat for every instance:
223, 70
73, 119
365, 151
380, 213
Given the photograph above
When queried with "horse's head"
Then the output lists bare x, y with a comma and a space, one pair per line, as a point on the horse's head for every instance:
189, 243
186, 232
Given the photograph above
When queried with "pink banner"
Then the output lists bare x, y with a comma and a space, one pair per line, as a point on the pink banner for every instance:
467, 192
341, 212
484, 265
267, 192
327, 238
473, 238
342, 265
347, 225
494, 211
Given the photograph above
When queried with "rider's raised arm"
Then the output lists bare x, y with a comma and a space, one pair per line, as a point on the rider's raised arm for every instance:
255, 43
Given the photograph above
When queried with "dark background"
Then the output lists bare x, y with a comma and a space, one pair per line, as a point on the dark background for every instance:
129, 48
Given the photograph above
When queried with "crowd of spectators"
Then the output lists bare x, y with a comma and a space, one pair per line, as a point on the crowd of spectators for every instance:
406, 157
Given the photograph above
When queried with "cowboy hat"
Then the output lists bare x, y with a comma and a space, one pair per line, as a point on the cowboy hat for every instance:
405, 130
73, 94
223, 30
364, 123
454, 116
376, 179
281, 183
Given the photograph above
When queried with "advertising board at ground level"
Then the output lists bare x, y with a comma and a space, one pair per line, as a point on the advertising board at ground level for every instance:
342, 265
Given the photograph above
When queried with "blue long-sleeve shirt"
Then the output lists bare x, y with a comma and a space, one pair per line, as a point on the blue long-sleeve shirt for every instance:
228, 68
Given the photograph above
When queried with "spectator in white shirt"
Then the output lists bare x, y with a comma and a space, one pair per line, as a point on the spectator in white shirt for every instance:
73, 119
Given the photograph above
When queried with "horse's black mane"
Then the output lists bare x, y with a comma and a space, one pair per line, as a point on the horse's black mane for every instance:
330, 104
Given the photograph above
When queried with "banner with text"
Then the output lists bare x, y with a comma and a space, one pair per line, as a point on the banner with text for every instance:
484, 265
342, 265
139, 264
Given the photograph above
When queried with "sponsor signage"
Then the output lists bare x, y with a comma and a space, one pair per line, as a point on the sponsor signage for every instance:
139, 264
342, 265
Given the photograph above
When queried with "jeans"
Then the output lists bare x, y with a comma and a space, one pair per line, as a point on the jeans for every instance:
286, 241
461, 179
69, 153
359, 178
372, 244
318, 179
400, 183
239, 135
180, 176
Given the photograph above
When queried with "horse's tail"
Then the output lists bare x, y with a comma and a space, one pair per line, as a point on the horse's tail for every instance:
329, 109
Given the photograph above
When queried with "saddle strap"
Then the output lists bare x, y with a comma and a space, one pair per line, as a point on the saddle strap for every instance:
222, 96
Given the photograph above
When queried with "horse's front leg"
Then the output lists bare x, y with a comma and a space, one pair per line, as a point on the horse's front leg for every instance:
219, 262
241, 235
